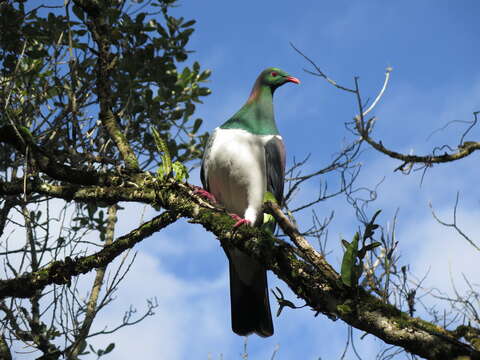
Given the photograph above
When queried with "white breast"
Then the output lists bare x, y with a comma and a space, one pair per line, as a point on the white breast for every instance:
235, 170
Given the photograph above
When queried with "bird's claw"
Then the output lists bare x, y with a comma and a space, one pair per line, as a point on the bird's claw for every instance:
240, 220
197, 190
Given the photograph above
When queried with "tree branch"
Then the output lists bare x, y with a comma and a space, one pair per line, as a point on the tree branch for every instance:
61, 272
46, 162
92, 308
105, 63
306, 272
364, 128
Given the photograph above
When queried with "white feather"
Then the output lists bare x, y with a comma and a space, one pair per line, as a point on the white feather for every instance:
235, 170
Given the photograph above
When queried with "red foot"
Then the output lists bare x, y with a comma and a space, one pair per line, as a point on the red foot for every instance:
203, 193
240, 221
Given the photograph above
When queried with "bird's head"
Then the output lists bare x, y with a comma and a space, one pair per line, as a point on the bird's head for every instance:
275, 77
270, 78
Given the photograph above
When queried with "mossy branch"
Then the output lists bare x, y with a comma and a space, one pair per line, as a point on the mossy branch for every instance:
61, 272
46, 162
305, 271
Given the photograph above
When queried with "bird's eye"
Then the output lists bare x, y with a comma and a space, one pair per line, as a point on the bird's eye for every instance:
274, 74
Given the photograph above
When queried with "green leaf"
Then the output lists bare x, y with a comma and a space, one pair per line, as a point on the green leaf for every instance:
91, 208
372, 246
180, 170
37, 53
161, 171
140, 17
186, 74
357, 272
268, 223
161, 30
268, 220
197, 125
371, 226
188, 23
109, 348
186, 34
166, 168
203, 91
78, 11
369, 247
196, 66
205, 75
349, 271
268, 196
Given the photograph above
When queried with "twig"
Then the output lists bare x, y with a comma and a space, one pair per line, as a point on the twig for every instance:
454, 223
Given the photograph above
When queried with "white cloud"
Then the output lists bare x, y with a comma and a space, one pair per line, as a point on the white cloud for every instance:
190, 315
441, 251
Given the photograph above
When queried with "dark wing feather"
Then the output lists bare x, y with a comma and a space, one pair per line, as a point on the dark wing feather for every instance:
203, 176
204, 168
275, 164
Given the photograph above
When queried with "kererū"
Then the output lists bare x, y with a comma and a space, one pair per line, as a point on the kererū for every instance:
244, 158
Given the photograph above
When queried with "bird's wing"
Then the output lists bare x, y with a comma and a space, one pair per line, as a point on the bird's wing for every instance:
204, 166
275, 167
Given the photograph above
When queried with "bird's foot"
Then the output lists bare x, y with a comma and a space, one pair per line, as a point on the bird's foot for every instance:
197, 190
239, 220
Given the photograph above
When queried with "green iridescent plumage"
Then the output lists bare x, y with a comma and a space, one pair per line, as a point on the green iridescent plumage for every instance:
256, 116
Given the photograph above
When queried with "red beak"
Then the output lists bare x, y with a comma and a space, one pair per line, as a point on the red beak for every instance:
292, 79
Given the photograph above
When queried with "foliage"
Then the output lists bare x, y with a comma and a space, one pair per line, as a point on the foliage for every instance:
167, 168
49, 84
81, 84
352, 262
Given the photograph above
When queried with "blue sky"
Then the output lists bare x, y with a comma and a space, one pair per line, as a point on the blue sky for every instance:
433, 49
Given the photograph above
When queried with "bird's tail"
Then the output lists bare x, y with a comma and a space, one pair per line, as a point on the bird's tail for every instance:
250, 305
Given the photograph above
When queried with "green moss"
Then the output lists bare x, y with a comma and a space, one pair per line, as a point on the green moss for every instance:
344, 310
401, 319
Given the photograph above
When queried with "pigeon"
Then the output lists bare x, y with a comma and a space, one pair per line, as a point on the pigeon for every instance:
245, 158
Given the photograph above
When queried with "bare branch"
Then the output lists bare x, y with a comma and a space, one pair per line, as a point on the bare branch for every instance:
92, 307
319, 72
364, 128
454, 223
61, 272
